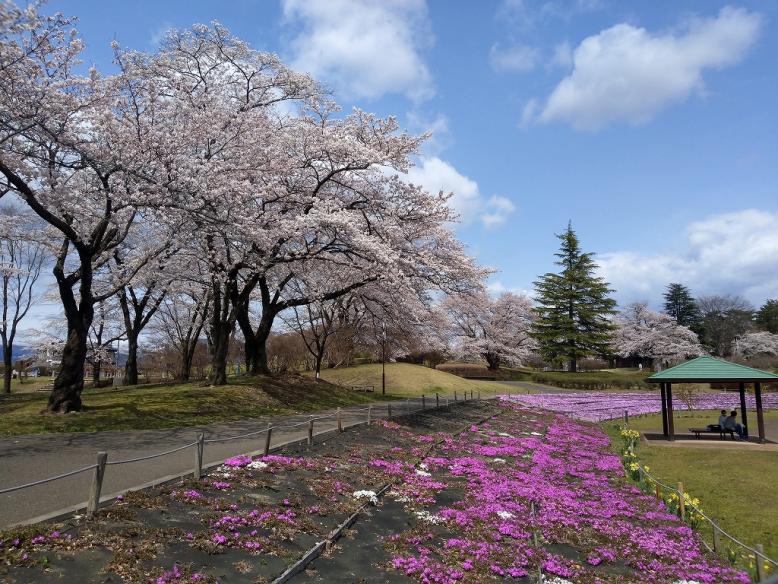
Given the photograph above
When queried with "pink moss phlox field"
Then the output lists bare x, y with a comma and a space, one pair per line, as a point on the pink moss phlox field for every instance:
529, 475
597, 406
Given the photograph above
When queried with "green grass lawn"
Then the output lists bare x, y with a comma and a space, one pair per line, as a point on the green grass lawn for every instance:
175, 406
595, 380
735, 487
407, 380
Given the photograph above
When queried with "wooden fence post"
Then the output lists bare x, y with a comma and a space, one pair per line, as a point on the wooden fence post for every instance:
681, 502
455, 395
310, 431
759, 559
340, 421
199, 447
423, 402
268, 434
716, 538
626, 418
369, 414
97, 484
388, 411
479, 395
437, 399
658, 492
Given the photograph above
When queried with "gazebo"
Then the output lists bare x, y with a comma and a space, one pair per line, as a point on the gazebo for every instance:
711, 370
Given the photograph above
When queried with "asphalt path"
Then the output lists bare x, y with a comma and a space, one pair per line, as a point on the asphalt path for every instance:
25, 459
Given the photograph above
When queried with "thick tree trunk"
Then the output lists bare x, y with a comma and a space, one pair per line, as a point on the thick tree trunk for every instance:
249, 346
493, 361
66, 394
131, 366
96, 372
221, 346
259, 365
573, 365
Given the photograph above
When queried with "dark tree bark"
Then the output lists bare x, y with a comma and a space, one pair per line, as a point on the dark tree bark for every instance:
137, 312
493, 361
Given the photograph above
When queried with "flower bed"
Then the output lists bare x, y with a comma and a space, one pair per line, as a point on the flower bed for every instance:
522, 494
600, 406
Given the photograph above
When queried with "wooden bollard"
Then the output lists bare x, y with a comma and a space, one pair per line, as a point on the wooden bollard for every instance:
340, 421
479, 395
310, 431
681, 502
626, 418
369, 414
423, 402
658, 492
97, 484
268, 434
759, 559
716, 538
437, 399
198, 469
455, 396
388, 410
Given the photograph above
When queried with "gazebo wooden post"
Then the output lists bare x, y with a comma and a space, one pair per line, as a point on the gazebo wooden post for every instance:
670, 428
664, 408
759, 412
742, 387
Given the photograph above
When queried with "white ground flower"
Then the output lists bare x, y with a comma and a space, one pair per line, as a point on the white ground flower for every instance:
257, 465
422, 473
556, 580
423, 466
369, 495
686, 582
428, 517
505, 515
500, 460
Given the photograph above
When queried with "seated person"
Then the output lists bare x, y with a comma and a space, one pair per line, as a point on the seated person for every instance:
731, 424
722, 421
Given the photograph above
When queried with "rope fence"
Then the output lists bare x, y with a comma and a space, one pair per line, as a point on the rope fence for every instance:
374, 412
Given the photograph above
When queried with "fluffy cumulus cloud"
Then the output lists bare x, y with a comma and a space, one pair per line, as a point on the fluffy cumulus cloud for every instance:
515, 58
435, 174
730, 253
629, 74
362, 49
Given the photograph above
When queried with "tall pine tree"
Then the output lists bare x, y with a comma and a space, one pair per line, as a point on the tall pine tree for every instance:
680, 305
573, 307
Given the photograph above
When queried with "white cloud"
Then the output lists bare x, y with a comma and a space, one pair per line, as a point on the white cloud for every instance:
516, 58
731, 253
626, 73
436, 124
365, 49
499, 209
437, 175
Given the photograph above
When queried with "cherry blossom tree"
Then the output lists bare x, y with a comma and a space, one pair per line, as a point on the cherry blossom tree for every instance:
21, 260
496, 330
645, 334
756, 344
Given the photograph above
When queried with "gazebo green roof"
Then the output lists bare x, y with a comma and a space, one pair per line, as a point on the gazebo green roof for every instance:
711, 370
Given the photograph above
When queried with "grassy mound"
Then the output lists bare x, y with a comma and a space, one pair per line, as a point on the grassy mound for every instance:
596, 380
170, 406
406, 379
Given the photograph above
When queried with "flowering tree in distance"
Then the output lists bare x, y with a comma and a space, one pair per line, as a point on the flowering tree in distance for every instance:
573, 307
496, 330
762, 343
644, 334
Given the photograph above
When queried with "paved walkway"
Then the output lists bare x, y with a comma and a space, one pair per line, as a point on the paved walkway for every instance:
25, 459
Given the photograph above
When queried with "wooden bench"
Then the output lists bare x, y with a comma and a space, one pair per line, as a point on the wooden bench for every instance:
363, 388
720, 431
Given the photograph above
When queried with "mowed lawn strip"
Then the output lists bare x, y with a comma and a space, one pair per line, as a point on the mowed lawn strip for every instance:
161, 406
735, 486
408, 380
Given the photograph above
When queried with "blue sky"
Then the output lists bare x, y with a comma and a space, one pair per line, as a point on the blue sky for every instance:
651, 125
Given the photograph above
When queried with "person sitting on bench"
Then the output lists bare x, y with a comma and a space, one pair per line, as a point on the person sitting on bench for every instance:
731, 424
723, 420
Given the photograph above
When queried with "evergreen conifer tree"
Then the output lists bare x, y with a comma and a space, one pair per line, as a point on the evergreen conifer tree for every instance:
767, 316
680, 305
573, 307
